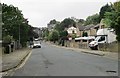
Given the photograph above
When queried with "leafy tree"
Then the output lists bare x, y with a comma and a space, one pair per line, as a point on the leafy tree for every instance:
81, 21
31, 33
116, 23
104, 9
67, 22
54, 36
85, 34
112, 18
46, 34
63, 34
14, 23
93, 19
53, 21
116, 6
58, 27
117, 28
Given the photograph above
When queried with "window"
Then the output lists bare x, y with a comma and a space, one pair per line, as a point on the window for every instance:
102, 38
73, 32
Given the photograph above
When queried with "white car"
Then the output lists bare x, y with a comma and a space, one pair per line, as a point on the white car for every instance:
36, 44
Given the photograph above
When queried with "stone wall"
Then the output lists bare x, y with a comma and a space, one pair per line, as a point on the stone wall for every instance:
111, 47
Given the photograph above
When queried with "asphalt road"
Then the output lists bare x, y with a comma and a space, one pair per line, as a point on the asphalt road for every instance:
55, 61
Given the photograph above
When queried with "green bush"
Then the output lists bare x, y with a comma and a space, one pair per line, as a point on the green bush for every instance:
54, 35
7, 39
85, 34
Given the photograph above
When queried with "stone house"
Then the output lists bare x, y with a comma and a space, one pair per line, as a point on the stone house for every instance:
81, 30
90, 29
73, 30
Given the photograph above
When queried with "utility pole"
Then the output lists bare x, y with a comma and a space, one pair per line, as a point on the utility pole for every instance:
19, 36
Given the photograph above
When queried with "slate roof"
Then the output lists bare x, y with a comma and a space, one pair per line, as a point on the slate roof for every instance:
81, 28
87, 27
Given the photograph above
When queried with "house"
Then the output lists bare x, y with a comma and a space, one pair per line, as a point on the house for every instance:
90, 29
81, 30
73, 30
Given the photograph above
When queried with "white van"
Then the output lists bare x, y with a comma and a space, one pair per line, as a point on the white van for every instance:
105, 35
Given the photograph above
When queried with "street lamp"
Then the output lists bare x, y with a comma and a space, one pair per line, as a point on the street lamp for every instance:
19, 34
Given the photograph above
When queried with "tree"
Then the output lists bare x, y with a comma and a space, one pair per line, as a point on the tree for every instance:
14, 24
112, 18
85, 34
58, 27
116, 23
54, 36
81, 21
105, 8
67, 22
117, 28
93, 19
63, 34
53, 21
46, 34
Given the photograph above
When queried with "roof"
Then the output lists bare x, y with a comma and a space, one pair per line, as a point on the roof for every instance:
81, 28
97, 26
89, 27
72, 28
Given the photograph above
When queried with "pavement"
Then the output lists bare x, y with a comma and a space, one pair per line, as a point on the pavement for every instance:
12, 60
110, 55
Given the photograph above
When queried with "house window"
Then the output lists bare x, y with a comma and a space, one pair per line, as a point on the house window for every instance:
73, 32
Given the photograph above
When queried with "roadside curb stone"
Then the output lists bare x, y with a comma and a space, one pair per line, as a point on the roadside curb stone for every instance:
6, 66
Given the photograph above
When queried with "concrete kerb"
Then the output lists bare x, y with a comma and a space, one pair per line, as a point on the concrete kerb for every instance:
15, 66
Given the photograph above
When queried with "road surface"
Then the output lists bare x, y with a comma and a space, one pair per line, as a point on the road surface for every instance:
55, 61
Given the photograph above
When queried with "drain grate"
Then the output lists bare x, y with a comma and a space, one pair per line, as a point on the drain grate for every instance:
111, 71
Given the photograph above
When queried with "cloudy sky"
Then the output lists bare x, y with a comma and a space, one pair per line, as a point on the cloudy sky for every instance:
40, 12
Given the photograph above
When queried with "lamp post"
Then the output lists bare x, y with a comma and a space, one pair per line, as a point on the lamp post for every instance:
19, 34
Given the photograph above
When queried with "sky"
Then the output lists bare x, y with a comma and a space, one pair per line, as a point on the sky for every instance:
40, 12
